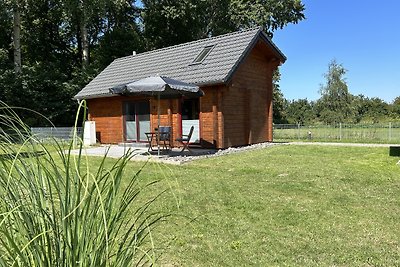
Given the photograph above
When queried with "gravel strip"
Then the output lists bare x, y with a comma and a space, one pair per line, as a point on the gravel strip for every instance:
217, 153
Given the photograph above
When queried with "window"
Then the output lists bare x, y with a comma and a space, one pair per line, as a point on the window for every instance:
203, 54
190, 109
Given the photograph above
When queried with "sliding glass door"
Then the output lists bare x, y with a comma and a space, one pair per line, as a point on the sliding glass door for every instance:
137, 121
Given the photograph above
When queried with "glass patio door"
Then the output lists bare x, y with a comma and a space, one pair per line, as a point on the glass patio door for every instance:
137, 121
190, 117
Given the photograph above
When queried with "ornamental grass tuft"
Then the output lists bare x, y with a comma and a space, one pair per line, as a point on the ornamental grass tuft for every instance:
58, 210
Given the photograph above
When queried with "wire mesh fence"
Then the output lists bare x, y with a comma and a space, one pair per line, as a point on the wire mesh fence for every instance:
340, 132
59, 133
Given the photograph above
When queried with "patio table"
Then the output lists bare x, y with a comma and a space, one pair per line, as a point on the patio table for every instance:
162, 137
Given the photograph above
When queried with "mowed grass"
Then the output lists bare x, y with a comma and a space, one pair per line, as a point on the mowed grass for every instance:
348, 133
281, 206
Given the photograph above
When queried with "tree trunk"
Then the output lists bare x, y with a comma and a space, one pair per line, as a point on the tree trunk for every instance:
17, 39
84, 40
79, 41
85, 45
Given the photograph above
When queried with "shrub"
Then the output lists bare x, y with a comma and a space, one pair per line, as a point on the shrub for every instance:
57, 210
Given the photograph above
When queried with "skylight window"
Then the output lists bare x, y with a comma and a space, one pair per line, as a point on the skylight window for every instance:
203, 54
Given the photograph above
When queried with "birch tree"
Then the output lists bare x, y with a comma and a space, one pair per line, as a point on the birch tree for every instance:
88, 18
15, 7
17, 36
335, 103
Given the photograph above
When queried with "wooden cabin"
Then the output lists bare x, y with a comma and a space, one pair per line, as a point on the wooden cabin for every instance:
234, 70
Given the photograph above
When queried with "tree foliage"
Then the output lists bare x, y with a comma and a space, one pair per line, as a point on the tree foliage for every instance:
335, 102
54, 67
395, 108
270, 14
280, 103
173, 22
301, 111
65, 43
338, 105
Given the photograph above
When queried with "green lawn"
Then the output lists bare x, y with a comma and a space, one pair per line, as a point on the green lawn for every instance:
281, 206
379, 133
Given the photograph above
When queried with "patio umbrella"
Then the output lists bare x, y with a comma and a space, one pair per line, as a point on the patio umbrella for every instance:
160, 86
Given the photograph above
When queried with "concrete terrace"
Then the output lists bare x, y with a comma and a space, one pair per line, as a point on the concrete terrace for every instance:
141, 153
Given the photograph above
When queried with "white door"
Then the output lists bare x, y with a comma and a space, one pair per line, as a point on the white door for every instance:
190, 117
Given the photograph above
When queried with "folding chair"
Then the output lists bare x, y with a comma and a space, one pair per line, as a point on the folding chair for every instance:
165, 136
185, 140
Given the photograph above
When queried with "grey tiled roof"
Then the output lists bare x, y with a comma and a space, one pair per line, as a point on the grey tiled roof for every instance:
175, 62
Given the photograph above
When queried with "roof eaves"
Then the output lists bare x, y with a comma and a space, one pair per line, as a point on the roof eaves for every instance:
210, 83
272, 45
89, 96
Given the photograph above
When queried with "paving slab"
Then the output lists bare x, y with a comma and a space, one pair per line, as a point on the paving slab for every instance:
174, 156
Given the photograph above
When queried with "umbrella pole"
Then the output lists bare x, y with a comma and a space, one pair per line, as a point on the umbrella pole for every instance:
158, 124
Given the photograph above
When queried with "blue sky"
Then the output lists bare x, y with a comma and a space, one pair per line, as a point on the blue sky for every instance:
363, 35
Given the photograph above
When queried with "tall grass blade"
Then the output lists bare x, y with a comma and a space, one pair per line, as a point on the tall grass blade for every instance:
56, 209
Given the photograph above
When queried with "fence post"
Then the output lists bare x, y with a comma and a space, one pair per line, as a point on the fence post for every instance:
390, 131
298, 131
340, 131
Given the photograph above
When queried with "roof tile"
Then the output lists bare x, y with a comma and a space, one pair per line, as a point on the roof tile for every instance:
176, 62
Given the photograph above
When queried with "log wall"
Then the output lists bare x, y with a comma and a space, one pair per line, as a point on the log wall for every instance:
236, 114
247, 105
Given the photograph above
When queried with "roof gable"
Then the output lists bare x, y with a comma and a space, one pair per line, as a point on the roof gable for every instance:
176, 62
